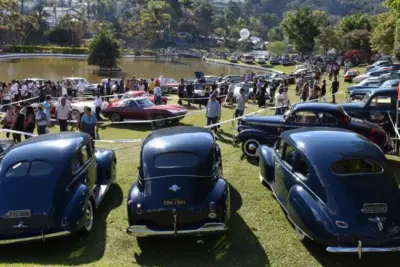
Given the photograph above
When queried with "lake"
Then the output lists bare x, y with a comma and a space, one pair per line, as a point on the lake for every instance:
56, 68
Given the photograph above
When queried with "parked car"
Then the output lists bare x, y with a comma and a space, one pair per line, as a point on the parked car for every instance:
373, 82
180, 189
351, 206
62, 179
256, 130
248, 59
90, 89
377, 73
350, 74
35, 106
211, 79
274, 61
135, 94
233, 59
261, 60
37, 80
170, 84
286, 61
143, 109
379, 63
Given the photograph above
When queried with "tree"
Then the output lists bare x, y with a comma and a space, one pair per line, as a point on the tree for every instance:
301, 27
395, 5
104, 50
383, 34
327, 39
204, 12
275, 34
277, 48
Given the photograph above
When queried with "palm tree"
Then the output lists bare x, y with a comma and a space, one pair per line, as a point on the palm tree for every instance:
155, 14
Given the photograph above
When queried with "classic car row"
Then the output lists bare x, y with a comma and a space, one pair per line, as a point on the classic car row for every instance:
51, 185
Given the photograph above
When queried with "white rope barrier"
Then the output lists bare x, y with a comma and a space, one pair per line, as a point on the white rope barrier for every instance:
21, 101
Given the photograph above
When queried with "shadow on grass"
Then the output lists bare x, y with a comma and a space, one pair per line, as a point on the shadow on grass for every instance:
70, 250
238, 247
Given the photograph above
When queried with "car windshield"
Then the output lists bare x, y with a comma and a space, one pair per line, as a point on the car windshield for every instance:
365, 98
144, 103
356, 166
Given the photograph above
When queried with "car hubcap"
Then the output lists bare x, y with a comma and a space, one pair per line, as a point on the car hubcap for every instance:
115, 117
251, 147
89, 216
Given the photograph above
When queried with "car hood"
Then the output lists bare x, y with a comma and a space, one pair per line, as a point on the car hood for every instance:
262, 120
169, 108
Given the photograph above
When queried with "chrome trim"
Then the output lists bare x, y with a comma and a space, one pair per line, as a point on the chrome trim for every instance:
35, 238
143, 230
363, 249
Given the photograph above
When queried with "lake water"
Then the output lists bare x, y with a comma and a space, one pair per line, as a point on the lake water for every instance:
56, 68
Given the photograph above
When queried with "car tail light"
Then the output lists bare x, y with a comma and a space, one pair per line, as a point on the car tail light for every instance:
372, 135
212, 206
139, 209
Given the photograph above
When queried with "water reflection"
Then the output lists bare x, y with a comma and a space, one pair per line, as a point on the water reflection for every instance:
56, 68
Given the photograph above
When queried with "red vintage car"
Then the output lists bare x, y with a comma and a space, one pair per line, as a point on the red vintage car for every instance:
133, 94
143, 109
350, 74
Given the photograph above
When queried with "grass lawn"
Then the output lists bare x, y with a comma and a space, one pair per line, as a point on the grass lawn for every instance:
259, 233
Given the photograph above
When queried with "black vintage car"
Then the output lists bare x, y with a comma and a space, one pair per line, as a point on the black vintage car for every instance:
256, 130
179, 190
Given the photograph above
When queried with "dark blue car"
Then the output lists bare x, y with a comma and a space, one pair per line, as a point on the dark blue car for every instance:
336, 188
51, 185
180, 189
256, 130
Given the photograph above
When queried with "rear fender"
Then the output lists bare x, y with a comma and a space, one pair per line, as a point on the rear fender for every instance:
307, 214
220, 195
105, 158
266, 163
135, 197
252, 133
73, 218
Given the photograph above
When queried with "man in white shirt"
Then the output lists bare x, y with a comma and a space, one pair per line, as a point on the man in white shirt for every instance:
81, 87
63, 112
162, 83
278, 102
98, 103
24, 91
14, 92
157, 93
230, 95
141, 85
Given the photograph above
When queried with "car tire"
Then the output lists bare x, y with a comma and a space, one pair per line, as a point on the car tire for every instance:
249, 147
163, 102
88, 217
161, 122
75, 114
116, 117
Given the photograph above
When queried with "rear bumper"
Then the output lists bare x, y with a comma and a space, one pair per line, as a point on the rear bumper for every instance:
364, 249
35, 238
143, 230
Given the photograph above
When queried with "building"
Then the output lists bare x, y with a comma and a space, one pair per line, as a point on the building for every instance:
55, 13
224, 3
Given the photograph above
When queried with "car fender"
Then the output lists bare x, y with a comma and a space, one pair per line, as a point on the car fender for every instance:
105, 158
252, 133
220, 195
266, 163
135, 197
73, 218
306, 213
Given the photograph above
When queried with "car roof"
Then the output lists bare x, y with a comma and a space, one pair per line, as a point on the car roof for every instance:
384, 91
341, 144
57, 147
316, 106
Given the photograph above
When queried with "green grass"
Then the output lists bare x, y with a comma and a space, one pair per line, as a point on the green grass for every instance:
259, 233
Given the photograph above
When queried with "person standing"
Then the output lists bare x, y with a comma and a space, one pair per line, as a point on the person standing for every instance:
152, 85
157, 94
189, 92
98, 103
278, 102
18, 124
213, 111
241, 103
81, 87
122, 86
162, 83
63, 113
181, 91
88, 123
30, 122
8, 120
334, 89
42, 120
6, 98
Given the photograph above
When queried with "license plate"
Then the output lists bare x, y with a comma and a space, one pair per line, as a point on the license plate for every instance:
19, 214
375, 208
174, 202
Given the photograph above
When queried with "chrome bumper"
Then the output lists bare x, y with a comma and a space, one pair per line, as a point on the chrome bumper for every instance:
42, 237
364, 249
143, 230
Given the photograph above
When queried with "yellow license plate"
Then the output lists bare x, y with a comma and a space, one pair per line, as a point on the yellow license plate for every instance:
174, 202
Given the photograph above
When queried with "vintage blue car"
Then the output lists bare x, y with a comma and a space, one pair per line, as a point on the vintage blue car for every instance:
180, 189
51, 185
336, 187
256, 130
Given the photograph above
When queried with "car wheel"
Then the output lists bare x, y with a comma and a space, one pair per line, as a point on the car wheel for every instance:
249, 148
160, 121
89, 217
115, 117
75, 114
163, 102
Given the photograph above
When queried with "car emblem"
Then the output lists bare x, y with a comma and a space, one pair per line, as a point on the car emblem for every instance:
379, 221
20, 225
174, 188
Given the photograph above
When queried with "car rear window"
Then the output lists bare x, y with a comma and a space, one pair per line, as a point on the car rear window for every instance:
26, 168
176, 160
356, 166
